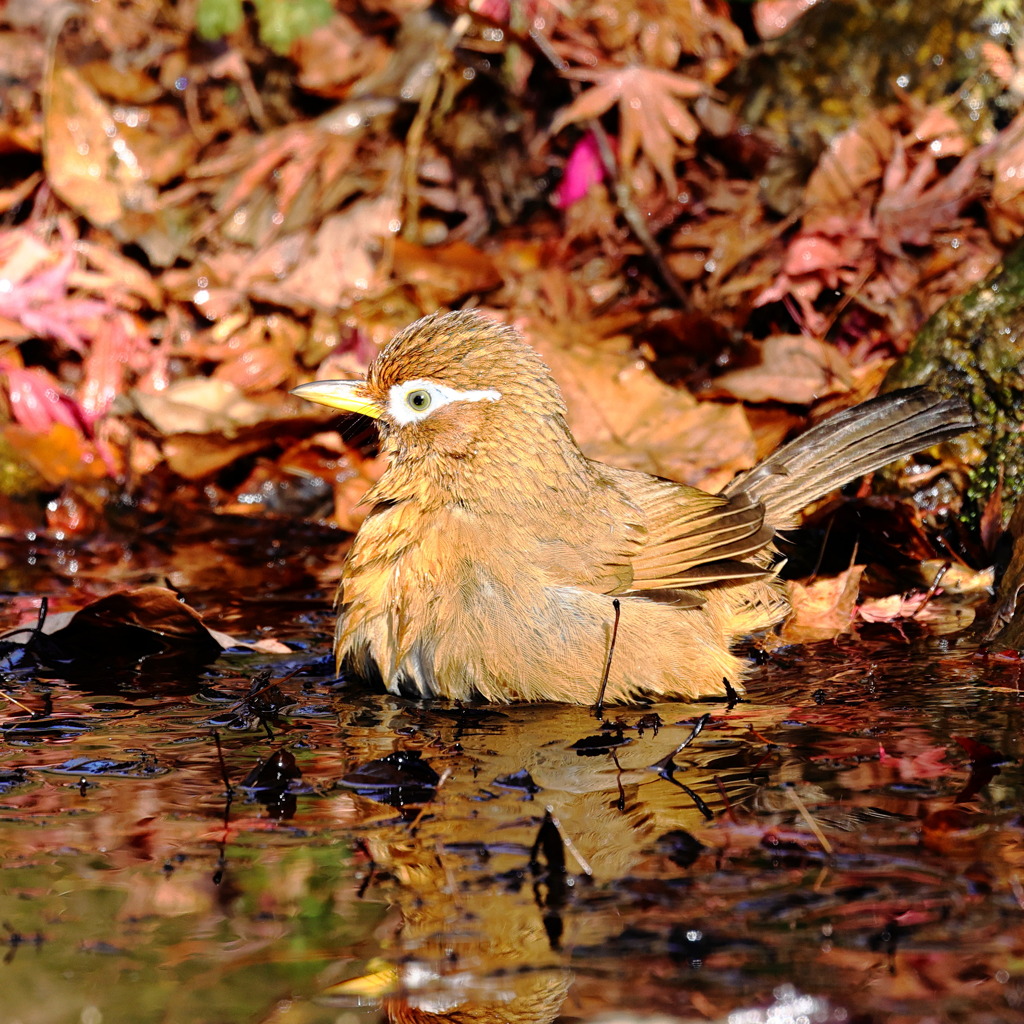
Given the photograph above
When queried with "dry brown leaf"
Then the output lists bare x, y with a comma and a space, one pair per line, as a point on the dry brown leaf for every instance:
916, 204
345, 262
941, 131
120, 346
853, 160
11, 197
121, 82
88, 162
334, 56
121, 279
773, 18
23, 255
194, 456
152, 610
622, 413
1007, 199
1006, 67
443, 274
794, 369
652, 118
609, 390
956, 578
705, 447
199, 405
260, 356
159, 139
823, 608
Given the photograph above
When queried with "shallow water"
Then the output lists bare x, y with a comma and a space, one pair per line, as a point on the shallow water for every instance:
837, 832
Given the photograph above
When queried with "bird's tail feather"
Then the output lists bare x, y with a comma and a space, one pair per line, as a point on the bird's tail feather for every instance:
844, 447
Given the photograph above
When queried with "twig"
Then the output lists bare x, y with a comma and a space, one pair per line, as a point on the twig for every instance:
599, 706
418, 130
930, 593
634, 218
17, 702
569, 844
811, 823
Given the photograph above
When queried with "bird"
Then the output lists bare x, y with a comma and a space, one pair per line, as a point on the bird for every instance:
498, 562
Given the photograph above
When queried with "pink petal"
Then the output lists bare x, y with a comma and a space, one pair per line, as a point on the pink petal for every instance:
36, 401
583, 169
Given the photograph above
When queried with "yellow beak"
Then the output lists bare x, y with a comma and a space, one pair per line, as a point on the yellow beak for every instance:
340, 394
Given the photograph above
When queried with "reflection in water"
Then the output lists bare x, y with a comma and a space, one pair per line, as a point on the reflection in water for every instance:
539, 814
852, 829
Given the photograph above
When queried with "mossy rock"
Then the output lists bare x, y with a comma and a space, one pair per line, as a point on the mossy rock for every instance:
974, 347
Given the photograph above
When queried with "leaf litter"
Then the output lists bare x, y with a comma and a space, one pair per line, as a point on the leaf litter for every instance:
204, 206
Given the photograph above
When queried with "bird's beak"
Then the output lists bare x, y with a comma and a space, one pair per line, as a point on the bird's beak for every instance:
340, 394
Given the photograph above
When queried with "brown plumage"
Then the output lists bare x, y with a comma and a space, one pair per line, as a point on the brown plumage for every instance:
493, 547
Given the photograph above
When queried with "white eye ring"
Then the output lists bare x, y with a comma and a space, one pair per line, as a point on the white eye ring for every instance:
431, 396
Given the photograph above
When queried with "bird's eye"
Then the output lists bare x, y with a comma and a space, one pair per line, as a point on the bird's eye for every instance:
419, 400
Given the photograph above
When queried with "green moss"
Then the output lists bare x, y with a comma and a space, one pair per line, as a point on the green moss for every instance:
281, 22
974, 347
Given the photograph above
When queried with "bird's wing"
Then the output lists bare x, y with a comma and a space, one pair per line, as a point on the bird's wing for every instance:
692, 538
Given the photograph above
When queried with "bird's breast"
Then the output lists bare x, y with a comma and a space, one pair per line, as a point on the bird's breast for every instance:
412, 581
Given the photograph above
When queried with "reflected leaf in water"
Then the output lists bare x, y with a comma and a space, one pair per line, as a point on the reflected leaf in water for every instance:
680, 847
275, 783
602, 743
400, 778
11, 779
145, 766
44, 727
276, 773
521, 780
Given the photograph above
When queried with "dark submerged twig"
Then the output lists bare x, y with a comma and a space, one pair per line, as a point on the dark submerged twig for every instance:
599, 706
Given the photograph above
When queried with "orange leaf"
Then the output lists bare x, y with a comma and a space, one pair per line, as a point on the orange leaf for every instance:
823, 608
651, 116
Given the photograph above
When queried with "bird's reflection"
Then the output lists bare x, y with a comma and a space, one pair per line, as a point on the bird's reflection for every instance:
538, 814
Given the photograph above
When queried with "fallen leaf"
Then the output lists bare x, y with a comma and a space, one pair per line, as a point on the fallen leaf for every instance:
853, 160
583, 170
443, 274
823, 608
917, 203
60, 455
88, 162
36, 399
794, 369
120, 345
148, 618
116, 276
620, 412
774, 18
1007, 199
344, 263
37, 297
652, 118
893, 607
199, 405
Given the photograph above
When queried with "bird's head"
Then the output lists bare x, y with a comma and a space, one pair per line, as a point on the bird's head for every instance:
453, 386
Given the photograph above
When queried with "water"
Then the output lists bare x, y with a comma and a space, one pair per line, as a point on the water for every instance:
843, 845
